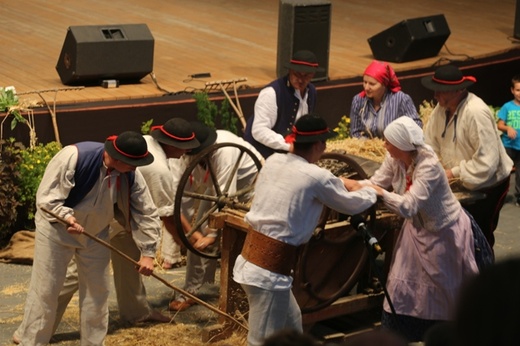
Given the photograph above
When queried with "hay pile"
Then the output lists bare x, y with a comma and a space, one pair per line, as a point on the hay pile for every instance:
167, 334
425, 111
371, 149
186, 330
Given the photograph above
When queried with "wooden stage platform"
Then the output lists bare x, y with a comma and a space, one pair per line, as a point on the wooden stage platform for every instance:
231, 39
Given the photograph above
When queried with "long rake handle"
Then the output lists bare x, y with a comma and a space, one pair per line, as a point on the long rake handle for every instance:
119, 252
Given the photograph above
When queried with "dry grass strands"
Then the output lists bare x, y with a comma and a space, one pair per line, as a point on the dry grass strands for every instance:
180, 290
14, 289
371, 149
425, 111
168, 334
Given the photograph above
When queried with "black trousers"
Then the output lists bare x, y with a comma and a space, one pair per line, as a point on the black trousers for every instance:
486, 211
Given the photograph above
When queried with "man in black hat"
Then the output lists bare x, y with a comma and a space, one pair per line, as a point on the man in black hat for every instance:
223, 160
462, 131
281, 103
168, 141
82, 184
289, 196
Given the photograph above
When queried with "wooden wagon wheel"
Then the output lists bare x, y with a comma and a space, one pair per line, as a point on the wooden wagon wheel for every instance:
332, 262
199, 187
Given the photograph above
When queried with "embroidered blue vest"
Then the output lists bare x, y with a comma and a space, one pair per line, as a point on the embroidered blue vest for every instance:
90, 160
288, 105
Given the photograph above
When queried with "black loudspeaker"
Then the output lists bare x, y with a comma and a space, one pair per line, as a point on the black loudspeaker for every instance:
304, 25
411, 39
93, 53
516, 32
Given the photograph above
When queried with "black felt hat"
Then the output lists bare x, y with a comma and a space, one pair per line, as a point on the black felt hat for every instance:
129, 147
176, 132
310, 128
304, 61
205, 135
447, 78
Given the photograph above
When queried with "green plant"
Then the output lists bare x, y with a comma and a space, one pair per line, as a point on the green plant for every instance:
207, 110
227, 119
210, 114
495, 111
10, 159
21, 168
343, 128
9, 103
146, 126
31, 168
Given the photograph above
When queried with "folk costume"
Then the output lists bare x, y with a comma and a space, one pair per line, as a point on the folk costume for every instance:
201, 270
77, 182
468, 143
279, 105
289, 197
130, 290
365, 120
435, 251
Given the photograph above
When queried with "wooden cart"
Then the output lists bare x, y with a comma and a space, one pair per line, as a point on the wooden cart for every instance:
336, 273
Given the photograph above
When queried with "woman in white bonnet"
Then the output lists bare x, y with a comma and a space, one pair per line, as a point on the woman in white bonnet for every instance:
434, 252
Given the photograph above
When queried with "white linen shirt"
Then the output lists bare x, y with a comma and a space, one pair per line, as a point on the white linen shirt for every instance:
471, 146
266, 114
289, 198
160, 178
96, 210
223, 162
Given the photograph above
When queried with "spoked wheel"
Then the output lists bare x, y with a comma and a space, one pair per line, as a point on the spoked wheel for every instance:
332, 262
200, 191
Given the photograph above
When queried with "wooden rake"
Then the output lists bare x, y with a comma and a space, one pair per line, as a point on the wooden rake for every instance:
180, 290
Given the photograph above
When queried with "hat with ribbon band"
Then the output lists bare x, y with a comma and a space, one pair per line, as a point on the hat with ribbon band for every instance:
129, 147
205, 135
447, 78
310, 128
177, 133
304, 61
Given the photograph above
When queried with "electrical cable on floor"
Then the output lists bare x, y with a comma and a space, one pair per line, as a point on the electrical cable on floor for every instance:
154, 79
449, 60
465, 55
513, 40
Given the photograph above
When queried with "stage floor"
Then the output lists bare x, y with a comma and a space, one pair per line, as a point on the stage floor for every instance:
231, 39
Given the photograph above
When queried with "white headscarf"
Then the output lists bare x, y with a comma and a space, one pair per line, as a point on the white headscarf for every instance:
404, 134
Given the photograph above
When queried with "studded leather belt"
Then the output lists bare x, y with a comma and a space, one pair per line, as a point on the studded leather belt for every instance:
269, 253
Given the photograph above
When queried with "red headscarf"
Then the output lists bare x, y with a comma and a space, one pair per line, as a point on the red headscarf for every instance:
384, 74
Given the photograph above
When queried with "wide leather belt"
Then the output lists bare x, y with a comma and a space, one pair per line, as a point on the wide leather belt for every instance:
269, 253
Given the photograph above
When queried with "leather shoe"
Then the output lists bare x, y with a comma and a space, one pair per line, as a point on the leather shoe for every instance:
16, 339
167, 265
155, 316
181, 305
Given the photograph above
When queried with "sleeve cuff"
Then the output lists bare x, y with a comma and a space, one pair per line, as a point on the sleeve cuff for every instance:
456, 172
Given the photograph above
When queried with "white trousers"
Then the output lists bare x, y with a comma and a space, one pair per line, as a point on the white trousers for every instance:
199, 270
48, 275
170, 250
128, 283
269, 312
